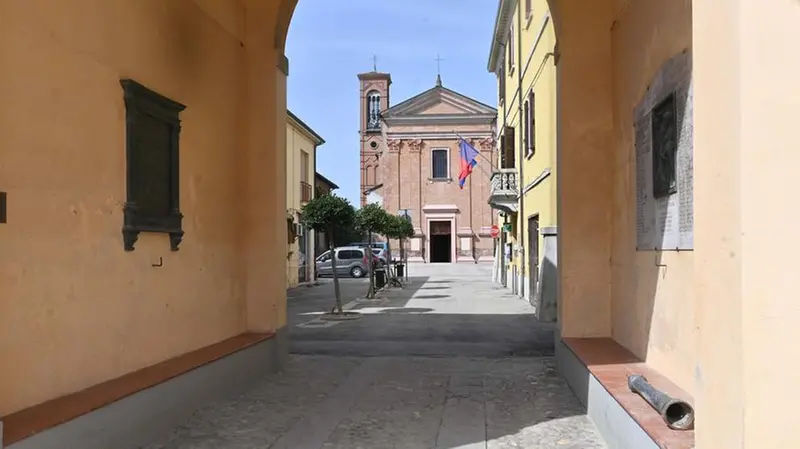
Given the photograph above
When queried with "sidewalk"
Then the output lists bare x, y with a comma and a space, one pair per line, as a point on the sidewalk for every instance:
449, 362
408, 402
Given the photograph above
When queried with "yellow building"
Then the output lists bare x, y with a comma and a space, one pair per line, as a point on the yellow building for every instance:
522, 56
132, 293
301, 161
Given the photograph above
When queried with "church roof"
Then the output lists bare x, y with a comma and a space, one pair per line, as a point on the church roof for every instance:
439, 105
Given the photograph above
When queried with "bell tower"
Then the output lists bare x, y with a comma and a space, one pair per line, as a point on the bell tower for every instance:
374, 92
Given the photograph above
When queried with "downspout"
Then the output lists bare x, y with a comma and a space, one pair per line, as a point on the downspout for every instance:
502, 240
521, 159
471, 229
313, 254
423, 247
399, 202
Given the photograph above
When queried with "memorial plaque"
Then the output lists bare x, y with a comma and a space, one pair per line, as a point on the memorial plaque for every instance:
664, 160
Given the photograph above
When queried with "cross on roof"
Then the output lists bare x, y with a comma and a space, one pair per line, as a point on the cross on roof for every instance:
438, 69
374, 63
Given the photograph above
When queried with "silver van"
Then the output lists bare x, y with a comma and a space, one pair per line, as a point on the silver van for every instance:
349, 261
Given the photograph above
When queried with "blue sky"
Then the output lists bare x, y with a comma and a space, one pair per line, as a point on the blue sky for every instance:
331, 41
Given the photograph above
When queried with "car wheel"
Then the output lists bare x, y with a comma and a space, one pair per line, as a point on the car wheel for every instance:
357, 272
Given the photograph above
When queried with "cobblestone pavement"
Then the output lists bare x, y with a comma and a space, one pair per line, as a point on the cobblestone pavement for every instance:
451, 397
446, 310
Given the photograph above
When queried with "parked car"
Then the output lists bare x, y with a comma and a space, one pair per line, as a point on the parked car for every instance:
378, 245
349, 261
380, 249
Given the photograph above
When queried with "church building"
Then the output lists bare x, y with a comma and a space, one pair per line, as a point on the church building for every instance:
410, 163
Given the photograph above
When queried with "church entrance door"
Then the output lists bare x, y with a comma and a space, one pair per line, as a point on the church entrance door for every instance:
441, 235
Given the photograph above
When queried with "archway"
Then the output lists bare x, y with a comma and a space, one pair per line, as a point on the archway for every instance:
609, 53
586, 165
706, 319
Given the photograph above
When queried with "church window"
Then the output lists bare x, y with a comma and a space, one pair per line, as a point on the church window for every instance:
372, 172
440, 167
373, 110
152, 139
665, 147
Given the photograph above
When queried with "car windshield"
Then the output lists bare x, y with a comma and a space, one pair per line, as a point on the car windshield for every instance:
323, 256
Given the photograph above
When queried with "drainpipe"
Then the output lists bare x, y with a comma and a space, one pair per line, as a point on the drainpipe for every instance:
311, 236
502, 240
521, 159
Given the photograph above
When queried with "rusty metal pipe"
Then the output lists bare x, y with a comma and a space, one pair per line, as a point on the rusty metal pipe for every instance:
678, 414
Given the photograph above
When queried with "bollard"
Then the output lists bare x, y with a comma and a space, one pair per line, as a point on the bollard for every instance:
678, 415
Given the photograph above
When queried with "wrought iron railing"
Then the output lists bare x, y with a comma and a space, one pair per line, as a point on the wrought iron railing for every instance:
305, 192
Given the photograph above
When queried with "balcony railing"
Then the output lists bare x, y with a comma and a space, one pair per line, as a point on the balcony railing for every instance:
505, 190
305, 192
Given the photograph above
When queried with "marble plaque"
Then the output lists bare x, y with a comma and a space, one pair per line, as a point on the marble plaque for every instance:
666, 223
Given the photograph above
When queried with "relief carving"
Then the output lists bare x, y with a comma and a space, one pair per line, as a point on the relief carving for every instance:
415, 145
486, 144
395, 145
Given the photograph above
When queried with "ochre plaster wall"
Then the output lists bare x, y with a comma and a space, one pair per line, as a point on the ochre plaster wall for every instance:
652, 307
75, 309
585, 165
746, 159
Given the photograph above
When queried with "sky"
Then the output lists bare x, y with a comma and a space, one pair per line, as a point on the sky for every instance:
331, 41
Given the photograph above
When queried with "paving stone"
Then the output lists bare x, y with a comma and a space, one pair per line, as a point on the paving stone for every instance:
482, 390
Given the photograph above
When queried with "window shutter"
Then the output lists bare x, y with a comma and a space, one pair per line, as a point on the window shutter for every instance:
509, 141
527, 123
531, 124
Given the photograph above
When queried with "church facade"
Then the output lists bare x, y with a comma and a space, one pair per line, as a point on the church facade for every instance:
410, 163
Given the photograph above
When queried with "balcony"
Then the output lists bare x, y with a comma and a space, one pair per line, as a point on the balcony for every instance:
505, 190
305, 192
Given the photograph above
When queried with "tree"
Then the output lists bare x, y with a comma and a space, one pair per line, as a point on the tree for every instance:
371, 219
335, 216
399, 227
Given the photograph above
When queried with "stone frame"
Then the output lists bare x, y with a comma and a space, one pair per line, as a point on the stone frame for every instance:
139, 100
665, 223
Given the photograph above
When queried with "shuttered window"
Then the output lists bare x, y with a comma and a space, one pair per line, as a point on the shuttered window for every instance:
530, 125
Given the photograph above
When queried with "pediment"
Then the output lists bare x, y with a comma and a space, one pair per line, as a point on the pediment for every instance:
439, 101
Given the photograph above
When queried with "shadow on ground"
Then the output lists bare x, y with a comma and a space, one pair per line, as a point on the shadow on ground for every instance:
470, 318
446, 371
382, 403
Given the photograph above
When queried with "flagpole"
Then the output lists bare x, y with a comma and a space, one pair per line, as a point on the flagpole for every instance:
488, 175
491, 164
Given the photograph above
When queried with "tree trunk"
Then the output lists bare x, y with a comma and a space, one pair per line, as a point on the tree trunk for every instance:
389, 271
405, 260
336, 290
370, 271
